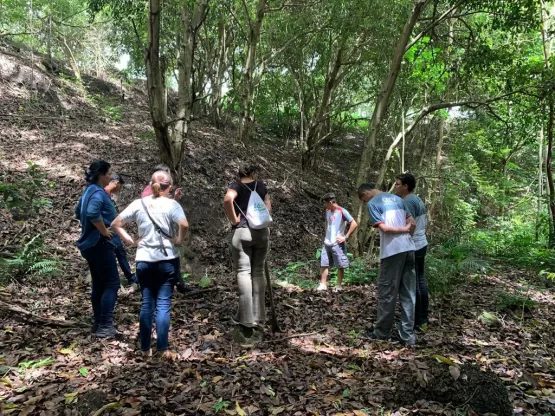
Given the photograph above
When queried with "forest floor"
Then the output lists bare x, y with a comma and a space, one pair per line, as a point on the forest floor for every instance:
318, 365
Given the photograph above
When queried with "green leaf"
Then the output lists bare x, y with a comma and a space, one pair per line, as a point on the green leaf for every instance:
205, 281
84, 372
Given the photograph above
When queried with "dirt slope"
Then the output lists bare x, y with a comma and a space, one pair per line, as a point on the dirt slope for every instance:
62, 126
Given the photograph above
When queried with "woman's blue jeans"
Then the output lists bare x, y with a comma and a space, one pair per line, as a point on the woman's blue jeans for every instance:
157, 280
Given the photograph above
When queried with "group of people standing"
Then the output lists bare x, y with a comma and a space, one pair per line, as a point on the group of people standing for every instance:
401, 221
162, 227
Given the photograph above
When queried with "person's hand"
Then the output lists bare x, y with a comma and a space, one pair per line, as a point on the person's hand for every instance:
178, 193
340, 240
107, 233
237, 220
130, 242
177, 242
412, 228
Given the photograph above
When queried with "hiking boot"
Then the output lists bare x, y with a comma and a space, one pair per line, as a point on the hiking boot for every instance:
370, 335
106, 332
322, 286
338, 288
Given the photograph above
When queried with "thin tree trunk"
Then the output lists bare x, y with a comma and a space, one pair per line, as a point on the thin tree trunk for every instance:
316, 124
380, 110
434, 195
155, 86
247, 83
548, 170
540, 184
190, 21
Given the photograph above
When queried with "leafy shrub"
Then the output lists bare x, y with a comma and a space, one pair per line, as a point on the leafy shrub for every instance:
514, 301
22, 197
29, 261
114, 112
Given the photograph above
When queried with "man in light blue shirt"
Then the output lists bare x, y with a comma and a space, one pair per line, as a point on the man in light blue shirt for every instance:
390, 215
404, 187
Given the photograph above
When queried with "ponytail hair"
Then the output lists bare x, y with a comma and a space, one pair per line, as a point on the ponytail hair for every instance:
161, 180
96, 168
248, 169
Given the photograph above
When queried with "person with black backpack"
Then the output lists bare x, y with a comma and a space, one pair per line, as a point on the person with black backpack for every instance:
247, 207
157, 247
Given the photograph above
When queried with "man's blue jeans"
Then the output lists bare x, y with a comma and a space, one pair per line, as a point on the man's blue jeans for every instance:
105, 281
157, 280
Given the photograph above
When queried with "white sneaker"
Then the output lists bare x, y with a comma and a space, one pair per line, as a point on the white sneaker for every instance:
338, 288
322, 286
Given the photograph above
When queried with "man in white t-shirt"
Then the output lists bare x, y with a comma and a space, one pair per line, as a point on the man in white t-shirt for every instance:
397, 278
334, 250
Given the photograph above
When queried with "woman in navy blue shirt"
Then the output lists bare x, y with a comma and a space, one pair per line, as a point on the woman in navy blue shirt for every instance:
96, 212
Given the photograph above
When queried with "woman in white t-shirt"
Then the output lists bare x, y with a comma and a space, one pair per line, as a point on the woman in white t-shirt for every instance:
156, 217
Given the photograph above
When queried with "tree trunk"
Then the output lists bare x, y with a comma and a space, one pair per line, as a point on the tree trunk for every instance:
435, 188
190, 21
247, 82
223, 48
380, 110
155, 86
540, 184
549, 171
314, 132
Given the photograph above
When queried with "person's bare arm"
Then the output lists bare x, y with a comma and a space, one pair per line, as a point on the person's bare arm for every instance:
228, 207
412, 223
268, 203
352, 227
394, 230
117, 225
181, 233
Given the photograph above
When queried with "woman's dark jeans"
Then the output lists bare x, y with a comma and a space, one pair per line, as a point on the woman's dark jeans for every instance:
105, 281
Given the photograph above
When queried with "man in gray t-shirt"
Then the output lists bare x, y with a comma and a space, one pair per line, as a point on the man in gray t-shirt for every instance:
404, 187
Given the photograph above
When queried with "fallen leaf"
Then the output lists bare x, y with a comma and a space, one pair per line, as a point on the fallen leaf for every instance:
34, 400
108, 406
216, 379
444, 360
65, 351
84, 372
6, 382
70, 397
360, 413
277, 410
238, 409
455, 372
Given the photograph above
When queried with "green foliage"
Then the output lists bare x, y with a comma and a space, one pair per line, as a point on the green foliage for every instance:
21, 196
514, 301
114, 112
221, 405
26, 365
300, 273
29, 262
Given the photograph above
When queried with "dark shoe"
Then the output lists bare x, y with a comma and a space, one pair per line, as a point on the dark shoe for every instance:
94, 328
106, 332
181, 286
371, 336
